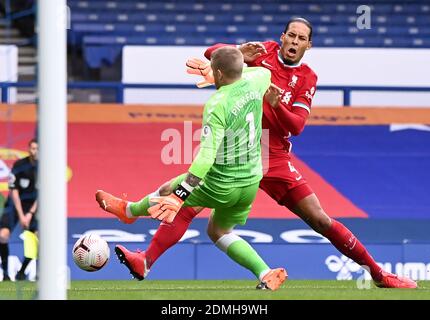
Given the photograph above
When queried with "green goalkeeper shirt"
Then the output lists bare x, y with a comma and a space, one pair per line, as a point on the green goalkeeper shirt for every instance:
230, 151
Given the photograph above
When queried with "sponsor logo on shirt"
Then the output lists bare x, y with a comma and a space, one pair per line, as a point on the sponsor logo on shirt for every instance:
287, 97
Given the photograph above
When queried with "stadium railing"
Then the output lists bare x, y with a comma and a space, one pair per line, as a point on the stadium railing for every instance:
119, 88
10, 16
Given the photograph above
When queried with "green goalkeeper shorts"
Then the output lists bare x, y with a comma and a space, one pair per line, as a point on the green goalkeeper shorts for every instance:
230, 206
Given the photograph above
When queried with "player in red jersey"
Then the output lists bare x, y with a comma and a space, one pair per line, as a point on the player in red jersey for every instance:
286, 108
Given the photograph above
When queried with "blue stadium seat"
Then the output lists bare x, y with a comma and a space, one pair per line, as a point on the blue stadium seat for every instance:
96, 23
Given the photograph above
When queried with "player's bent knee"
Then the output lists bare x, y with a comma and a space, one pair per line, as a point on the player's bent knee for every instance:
214, 233
322, 223
214, 238
4, 235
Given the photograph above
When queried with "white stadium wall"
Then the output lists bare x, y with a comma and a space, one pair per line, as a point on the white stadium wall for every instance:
161, 65
334, 66
372, 67
9, 68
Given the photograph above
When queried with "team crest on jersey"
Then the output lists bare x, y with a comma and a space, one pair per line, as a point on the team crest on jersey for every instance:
293, 82
24, 183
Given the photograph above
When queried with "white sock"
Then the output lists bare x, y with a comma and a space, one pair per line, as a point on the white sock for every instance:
128, 211
151, 195
263, 273
226, 240
155, 194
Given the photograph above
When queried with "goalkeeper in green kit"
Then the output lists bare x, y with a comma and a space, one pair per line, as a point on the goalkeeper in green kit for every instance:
224, 175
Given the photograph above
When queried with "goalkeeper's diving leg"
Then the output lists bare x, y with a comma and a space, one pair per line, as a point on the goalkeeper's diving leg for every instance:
220, 231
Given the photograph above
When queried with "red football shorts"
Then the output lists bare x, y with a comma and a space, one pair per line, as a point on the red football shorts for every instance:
283, 183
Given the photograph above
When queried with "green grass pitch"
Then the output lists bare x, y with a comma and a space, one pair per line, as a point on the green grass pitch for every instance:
214, 290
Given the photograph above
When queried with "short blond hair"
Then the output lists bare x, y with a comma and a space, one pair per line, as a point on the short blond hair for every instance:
229, 60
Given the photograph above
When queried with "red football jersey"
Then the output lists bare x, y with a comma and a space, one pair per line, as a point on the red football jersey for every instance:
299, 85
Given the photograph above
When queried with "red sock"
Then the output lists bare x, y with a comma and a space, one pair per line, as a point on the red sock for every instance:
169, 234
345, 241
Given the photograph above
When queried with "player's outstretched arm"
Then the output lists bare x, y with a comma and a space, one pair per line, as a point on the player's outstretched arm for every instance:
211, 49
250, 50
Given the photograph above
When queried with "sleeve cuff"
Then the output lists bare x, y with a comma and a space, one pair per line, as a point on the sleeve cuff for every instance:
302, 105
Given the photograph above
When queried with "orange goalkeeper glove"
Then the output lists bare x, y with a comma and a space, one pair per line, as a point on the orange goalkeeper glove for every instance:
201, 68
166, 208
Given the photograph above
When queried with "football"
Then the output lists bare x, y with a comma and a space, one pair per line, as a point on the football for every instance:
91, 252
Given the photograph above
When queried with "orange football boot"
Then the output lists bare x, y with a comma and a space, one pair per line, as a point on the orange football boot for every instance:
114, 205
273, 279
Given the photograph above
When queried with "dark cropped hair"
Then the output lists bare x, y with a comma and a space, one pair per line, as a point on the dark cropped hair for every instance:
302, 20
34, 140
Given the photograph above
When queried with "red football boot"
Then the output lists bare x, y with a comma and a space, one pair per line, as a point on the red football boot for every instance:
390, 280
134, 261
